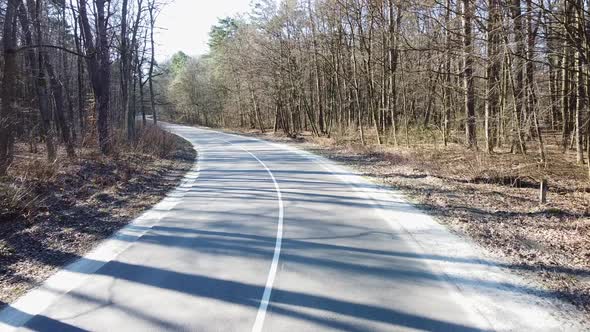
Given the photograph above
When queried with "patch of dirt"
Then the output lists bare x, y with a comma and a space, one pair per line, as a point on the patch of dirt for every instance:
51, 214
492, 199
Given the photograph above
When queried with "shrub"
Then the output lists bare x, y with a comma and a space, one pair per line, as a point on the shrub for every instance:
154, 141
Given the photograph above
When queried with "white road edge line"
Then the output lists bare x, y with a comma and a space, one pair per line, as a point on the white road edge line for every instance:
265, 300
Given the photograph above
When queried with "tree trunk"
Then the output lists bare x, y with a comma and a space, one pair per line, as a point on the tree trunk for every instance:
518, 81
99, 67
40, 84
151, 10
7, 116
57, 91
320, 100
493, 70
126, 73
470, 129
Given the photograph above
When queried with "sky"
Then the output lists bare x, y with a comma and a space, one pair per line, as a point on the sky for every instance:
183, 25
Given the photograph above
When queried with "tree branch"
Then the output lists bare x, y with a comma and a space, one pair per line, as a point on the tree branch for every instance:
23, 48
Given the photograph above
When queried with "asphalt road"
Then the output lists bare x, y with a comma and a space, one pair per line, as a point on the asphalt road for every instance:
263, 237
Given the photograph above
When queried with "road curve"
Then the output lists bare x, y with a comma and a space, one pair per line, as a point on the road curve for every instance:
264, 237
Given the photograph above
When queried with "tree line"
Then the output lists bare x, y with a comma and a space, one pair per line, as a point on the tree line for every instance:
74, 72
489, 74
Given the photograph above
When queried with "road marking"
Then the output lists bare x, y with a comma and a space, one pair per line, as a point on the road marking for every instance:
275, 257
264, 301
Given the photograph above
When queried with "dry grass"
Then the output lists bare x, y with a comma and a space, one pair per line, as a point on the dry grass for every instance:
50, 213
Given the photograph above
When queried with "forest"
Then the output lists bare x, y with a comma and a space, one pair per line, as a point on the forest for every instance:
493, 76
489, 75
74, 73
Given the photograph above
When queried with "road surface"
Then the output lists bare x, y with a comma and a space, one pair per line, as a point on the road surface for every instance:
264, 237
